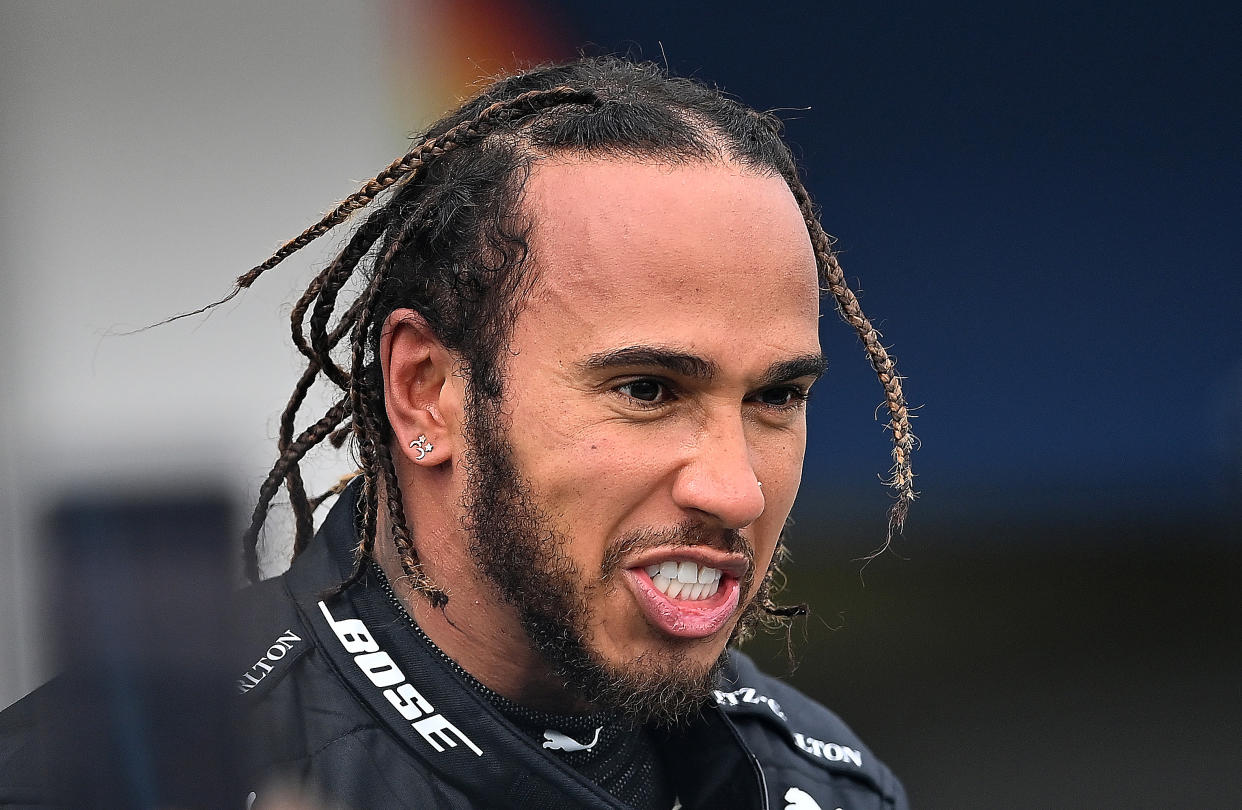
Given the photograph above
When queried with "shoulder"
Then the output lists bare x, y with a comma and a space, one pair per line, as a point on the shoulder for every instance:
802, 741
269, 637
291, 701
303, 726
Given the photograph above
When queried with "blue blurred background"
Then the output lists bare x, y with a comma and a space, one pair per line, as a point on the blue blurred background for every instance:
1038, 204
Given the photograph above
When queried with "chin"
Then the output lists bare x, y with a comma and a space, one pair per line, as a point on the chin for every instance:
663, 687
693, 653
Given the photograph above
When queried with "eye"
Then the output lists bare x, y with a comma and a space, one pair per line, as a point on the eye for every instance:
645, 391
783, 397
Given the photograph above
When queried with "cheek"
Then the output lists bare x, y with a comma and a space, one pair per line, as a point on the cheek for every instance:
582, 476
780, 470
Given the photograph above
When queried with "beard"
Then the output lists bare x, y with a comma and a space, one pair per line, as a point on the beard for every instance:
519, 549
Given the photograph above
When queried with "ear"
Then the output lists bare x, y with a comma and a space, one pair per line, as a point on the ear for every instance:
422, 394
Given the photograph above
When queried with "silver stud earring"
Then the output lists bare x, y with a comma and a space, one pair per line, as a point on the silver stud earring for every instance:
422, 446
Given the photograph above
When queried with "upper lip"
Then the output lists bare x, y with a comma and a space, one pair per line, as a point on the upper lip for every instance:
734, 565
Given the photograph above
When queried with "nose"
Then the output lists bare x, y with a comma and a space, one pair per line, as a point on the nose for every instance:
718, 479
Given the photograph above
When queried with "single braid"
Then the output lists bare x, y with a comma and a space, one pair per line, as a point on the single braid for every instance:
338, 437
366, 431
901, 478
303, 514
780, 614
289, 416
336, 489
402, 537
784, 611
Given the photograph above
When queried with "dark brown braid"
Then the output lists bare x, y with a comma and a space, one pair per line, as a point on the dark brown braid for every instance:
447, 240
901, 478
365, 432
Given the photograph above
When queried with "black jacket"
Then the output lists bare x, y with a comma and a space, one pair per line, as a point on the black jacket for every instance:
341, 695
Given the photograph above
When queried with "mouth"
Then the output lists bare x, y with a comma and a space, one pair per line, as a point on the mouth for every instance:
687, 592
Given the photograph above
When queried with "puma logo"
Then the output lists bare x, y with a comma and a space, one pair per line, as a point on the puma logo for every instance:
799, 799
559, 742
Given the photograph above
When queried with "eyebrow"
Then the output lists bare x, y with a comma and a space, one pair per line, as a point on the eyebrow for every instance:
691, 365
679, 362
807, 365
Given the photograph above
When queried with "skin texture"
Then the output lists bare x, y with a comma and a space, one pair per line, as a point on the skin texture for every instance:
654, 379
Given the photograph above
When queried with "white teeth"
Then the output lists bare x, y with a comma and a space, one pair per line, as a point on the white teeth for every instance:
684, 579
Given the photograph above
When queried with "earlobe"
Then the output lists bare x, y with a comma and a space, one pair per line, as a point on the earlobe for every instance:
422, 446
417, 371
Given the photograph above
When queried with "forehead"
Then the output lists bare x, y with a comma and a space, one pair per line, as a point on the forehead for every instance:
622, 249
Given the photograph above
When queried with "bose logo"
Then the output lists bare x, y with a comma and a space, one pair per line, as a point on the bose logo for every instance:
383, 672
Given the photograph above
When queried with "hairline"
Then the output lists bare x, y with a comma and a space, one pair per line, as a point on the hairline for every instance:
528, 160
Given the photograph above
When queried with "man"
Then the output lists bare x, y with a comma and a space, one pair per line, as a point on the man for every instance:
575, 376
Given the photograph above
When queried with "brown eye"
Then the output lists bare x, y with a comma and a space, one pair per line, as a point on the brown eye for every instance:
777, 396
785, 396
643, 390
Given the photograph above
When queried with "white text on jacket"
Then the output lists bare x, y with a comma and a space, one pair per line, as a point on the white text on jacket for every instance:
827, 750
284, 643
383, 672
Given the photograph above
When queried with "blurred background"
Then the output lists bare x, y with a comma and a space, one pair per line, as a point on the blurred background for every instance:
1039, 204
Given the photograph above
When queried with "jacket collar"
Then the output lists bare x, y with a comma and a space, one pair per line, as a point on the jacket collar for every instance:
452, 729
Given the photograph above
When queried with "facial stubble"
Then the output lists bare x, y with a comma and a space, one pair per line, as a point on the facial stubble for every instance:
517, 546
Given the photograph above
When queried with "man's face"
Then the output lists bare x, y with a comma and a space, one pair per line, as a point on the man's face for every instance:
629, 494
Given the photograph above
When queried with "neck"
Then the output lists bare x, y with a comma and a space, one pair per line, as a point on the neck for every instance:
477, 629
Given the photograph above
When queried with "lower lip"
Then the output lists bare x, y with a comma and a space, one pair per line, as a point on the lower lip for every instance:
682, 618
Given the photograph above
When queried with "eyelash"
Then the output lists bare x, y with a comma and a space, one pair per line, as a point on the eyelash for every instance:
798, 396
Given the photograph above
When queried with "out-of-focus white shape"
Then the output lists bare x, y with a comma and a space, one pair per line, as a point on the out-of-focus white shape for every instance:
151, 152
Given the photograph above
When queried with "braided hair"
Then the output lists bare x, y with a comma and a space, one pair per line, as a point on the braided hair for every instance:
442, 236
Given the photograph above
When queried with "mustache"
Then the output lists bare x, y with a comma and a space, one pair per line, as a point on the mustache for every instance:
689, 533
